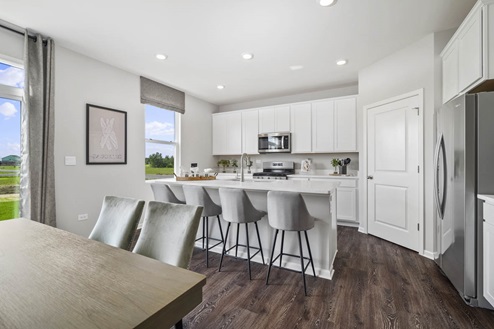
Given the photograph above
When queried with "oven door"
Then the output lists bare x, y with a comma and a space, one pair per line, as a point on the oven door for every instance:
274, 142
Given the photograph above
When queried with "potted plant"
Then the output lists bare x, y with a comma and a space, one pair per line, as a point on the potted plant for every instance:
249, 164
335, 162
224, 163
234, 164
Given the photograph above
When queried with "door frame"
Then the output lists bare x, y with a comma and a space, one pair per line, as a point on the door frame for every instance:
363, 226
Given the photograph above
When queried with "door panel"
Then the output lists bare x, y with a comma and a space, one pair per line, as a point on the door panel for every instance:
393, 184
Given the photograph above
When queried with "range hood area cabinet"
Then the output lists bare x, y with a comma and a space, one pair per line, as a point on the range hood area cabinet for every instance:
468, 58
320, 126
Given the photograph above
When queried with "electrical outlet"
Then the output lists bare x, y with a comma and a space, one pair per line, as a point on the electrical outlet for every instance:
82, 217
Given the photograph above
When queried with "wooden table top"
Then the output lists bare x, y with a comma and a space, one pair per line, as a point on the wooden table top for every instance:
50, 278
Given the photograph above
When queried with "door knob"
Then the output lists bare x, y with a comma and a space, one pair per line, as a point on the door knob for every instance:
370, 177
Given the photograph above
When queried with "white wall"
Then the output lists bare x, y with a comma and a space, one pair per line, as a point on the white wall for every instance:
412, 68
329, 93
80, 80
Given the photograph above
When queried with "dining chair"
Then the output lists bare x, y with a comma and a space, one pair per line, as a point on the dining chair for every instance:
168, 234
117, 221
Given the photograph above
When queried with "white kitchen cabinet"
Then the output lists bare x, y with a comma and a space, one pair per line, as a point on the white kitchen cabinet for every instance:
467, 59
450, 72
334, 125
346, 198
489, 252
345, 125
250, 129
227, 133
274, 119
301, 122
323, 126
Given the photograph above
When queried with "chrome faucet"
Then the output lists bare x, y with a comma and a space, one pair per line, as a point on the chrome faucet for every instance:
242, 167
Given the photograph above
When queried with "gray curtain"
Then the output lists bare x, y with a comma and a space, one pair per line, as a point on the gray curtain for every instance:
157, 94
37, 186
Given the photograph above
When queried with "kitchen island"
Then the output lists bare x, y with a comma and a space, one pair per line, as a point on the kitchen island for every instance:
320, 198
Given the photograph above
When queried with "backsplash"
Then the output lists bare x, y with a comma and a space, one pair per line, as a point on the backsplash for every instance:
319, 161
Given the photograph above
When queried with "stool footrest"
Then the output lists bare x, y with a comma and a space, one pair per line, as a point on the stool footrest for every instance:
291, 255
243, 245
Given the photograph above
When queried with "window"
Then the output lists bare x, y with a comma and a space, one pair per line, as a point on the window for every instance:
11, 90
161, 142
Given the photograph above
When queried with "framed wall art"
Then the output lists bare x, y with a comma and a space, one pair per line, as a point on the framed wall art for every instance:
106, 135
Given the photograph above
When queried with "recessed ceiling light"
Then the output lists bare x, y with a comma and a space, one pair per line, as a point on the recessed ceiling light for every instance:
341, 62
161, 56
327, 3
220, 87
296, 67
247, 56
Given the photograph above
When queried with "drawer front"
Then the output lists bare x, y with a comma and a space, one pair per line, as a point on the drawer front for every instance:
348, 183
489, 213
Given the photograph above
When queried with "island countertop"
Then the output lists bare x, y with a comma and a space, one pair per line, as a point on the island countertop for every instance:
301, 186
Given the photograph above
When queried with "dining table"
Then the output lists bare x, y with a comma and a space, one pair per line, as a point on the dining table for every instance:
51, 278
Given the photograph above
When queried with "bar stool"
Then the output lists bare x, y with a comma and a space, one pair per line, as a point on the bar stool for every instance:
237, 208
163, 193
287, 212
198, 196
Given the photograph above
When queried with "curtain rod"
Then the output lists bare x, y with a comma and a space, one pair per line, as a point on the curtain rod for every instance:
18, 32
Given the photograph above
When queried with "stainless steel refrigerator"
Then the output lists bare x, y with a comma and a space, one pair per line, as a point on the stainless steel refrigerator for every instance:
464, 167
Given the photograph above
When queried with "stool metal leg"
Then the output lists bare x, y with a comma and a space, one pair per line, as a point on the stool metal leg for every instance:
272, 254
203, 231
224, 246
302, 261
282, 242
260, 246
207, 241
310, 254
248, 248
221, 230
236, 242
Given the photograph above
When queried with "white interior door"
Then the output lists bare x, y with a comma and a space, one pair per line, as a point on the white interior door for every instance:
393, 171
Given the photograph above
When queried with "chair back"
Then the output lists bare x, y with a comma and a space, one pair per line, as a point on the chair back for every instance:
198, 196
287, 211
168, 232
163, 193
237, 207
117, 221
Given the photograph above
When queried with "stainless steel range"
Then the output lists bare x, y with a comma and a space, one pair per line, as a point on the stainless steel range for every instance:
275, 170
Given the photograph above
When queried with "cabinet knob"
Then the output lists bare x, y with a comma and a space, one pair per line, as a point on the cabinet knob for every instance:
370, 177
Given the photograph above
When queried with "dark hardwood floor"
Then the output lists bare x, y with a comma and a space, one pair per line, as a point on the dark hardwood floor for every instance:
376, 285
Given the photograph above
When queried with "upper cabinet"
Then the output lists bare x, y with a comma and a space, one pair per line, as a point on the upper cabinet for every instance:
345, 125
250, 124
227, 133
468, 55
274, 119
322, 126
301, 128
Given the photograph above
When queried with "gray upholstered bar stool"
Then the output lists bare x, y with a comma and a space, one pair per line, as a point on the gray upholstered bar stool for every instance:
198, 196
163, 193
237, 208
287, 212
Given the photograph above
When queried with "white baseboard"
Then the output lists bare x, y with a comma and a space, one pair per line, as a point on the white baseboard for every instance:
430, 254
349, 224
362, 230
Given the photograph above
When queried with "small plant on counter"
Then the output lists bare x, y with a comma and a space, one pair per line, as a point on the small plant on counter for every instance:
234, 164
335, 162
224, 163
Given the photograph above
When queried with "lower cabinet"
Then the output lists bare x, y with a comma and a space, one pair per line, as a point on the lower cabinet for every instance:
489, 253
346, 196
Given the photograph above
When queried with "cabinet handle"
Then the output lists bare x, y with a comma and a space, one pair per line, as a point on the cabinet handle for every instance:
370, 177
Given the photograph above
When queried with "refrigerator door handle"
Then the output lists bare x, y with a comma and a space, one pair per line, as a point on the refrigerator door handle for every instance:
439, 200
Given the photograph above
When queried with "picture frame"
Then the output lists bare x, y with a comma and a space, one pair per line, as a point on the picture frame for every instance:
106, 135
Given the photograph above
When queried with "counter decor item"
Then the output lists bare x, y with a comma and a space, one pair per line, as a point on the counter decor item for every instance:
341, 164
197, 177
335, 162
306, 165
234, 164
224, 163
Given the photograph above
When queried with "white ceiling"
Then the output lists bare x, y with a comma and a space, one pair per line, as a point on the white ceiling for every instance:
204, 39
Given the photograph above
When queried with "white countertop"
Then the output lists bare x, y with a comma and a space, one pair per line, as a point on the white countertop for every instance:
328, 176
489, 198
306, 187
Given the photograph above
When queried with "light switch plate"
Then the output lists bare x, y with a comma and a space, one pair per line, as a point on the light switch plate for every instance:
70, 160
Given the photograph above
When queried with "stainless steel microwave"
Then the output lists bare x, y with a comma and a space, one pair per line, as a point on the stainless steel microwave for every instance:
274, 143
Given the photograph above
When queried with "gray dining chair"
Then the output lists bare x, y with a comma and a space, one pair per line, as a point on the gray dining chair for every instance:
237, 208
287, 211
117, 221
163, 192
198, 196
168, 234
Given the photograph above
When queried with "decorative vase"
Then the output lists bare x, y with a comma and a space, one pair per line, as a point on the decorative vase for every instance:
342, 170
